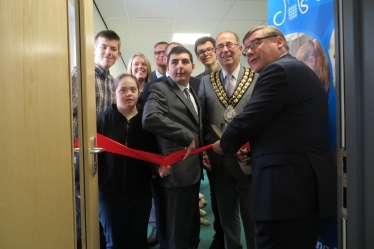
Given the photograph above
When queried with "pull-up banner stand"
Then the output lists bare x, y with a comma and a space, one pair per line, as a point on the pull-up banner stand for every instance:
309, 25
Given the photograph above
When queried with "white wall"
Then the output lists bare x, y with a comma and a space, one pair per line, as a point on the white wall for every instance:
119, 67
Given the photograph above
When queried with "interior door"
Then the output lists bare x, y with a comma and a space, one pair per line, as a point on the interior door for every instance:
82, 38
36, 158
37, 196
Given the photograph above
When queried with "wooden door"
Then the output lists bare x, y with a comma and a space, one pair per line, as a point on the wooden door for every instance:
37, 208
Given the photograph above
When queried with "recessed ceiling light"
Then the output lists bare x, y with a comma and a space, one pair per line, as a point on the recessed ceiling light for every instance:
187, 38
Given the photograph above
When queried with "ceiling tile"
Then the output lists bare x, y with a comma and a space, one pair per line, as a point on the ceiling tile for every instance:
196, 25
152, 25
152, 8
204, 9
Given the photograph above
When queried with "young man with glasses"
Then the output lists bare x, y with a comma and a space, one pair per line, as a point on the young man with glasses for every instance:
160, 60
286, 123
222, 96
204, 50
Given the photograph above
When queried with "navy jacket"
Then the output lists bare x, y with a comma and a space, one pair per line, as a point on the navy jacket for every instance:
285, 122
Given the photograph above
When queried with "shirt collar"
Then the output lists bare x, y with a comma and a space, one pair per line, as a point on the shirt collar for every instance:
282, 55
101, 71
158, 74
183, 87
235, 73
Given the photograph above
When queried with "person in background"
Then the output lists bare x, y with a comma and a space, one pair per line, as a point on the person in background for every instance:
107, 46
124, 182
285, 122
160, 60
221, 98
172, 113
204, 50
140, 67
313, 55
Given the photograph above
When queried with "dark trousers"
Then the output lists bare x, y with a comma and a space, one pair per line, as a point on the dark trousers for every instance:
178, 216
213, 202
152, 214
290, 234
124, 217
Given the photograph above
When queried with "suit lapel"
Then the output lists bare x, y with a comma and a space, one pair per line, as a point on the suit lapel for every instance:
183, 98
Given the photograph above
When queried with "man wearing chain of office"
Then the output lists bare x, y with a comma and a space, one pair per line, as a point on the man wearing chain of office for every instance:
222, 96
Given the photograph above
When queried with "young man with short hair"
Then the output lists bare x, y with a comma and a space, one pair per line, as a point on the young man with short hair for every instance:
106, 52
204, 50
172, 113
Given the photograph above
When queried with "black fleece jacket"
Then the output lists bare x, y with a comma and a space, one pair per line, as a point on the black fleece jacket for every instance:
120, 173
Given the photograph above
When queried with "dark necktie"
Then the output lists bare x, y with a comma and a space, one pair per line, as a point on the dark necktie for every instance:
187, 94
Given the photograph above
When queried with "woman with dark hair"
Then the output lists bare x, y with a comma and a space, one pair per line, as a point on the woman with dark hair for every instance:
124, 182
312, 54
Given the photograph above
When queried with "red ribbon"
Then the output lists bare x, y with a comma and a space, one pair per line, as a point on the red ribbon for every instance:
117, 148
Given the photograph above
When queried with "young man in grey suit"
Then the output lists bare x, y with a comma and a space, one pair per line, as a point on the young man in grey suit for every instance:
172, 113
285, 121
221, 99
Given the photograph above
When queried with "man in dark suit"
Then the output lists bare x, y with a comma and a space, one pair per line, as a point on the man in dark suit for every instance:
285, 121
221, 99
194, 83
160, 55
160, 60
172, 113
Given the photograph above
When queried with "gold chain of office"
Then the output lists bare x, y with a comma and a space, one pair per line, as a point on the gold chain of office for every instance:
239, 91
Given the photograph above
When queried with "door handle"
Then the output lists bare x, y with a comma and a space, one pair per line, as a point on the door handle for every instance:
94, 151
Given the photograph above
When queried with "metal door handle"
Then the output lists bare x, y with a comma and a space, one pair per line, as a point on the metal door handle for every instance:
94, 151
97, 150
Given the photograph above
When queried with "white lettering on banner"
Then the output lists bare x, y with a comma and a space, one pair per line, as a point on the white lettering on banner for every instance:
291, 10
300, 3
284, 16
321, 246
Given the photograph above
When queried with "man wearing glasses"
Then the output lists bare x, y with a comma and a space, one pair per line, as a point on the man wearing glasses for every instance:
204, 50
285, 121
160, 60
222, 95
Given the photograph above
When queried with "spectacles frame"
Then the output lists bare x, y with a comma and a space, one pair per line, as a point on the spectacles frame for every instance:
254, 44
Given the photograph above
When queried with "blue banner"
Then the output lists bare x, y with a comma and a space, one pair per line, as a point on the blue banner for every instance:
311, 23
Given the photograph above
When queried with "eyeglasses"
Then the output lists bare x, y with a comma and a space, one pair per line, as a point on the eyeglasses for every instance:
254, 44
202, 52
228, 45
159, 52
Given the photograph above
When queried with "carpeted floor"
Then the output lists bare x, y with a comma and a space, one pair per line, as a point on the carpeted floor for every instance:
206, 232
